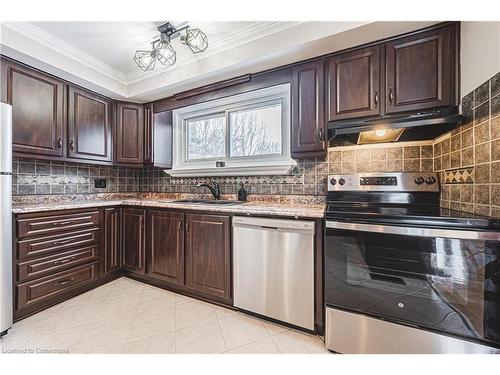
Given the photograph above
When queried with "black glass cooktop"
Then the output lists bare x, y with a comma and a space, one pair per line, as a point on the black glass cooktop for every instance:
405, 214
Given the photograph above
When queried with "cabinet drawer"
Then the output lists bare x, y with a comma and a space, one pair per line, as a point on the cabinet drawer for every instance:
38, 247
45, 225
50, 265
48, 287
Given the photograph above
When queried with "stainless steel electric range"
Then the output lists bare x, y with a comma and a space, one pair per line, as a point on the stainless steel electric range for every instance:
403, 275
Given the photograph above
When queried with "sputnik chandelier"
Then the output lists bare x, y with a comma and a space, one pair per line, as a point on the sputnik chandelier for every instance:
162, 49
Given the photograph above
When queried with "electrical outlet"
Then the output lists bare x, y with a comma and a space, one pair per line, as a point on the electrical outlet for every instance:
100, 183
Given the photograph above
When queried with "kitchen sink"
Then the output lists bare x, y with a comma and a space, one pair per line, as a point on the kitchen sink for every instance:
207, 201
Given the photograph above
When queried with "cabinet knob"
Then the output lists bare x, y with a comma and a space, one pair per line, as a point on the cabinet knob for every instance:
72, 145
391, 95
320, 135
375, 99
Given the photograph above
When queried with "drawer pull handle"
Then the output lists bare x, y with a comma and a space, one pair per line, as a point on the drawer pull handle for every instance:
62, 261
64, 241
64, 282
63, 222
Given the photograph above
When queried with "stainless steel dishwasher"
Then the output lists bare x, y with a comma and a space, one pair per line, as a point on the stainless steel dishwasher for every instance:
273, 264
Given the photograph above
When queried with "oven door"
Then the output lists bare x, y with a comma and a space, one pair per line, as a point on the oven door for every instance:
443, 280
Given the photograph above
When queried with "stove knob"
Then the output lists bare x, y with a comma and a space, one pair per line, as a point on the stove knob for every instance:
419, 180
341, 181
333, 181
430, 180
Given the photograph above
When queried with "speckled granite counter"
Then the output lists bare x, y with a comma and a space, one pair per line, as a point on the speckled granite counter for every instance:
272, 206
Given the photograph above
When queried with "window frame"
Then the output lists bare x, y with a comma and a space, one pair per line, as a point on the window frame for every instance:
234, 165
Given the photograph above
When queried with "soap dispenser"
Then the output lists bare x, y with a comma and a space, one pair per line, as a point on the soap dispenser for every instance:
242, 193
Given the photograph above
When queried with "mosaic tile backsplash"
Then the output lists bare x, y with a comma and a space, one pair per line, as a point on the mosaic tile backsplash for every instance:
471, 154
48, 177
307, 178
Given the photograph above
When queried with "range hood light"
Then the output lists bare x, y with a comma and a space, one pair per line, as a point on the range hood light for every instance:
379, 136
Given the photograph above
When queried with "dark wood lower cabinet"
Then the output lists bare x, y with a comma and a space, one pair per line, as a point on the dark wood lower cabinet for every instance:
182, 251
111, 249
208, 260
133, 239
165, 244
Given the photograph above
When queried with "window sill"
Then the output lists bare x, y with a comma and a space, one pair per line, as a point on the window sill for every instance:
282, 168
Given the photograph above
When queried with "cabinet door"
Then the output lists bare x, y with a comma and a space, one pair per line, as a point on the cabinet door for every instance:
157, 137
208, 268
166, 245
162, 139
133, 245
129, 133
308, 107
89, 125
420, 71
112, 257
354, 84
38, 110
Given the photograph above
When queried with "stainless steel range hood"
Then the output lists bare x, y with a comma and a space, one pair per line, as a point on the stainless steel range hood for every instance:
416, 126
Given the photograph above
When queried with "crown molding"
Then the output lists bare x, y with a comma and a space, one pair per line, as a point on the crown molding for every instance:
244, 35
38, 35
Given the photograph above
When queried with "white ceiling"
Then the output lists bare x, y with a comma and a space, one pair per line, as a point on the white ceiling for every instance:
114, 43
98, 55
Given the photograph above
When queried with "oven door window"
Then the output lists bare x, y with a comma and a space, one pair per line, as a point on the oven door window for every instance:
447, 284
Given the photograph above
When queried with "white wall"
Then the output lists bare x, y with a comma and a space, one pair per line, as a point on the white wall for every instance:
480, 53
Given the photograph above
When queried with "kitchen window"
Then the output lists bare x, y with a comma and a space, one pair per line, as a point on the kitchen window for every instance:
245, 134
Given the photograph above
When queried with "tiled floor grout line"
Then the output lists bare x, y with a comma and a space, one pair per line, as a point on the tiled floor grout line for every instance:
223, 335
123, 345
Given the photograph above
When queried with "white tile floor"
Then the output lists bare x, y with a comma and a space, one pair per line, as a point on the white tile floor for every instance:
125, 316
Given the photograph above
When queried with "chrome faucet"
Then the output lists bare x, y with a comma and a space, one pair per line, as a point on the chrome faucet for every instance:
213, 187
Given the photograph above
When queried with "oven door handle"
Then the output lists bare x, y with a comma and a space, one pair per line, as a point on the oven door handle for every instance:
415, 231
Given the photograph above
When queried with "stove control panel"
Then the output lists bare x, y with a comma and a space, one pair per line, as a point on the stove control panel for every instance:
378, 181
410, 181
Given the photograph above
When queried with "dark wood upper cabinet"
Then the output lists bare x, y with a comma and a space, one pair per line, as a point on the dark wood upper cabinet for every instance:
133, 240
111, 250
38, 110
89, 125
208, 263
308, 109
165, 244
354, 84
129, 142
157, 137
421, 70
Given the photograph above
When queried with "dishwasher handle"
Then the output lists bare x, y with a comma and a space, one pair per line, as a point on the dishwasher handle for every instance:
282, 225
266, 227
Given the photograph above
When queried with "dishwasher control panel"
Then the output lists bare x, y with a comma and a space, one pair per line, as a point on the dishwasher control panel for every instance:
283, 224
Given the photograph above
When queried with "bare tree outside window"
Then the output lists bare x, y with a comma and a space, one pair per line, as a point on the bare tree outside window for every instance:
206, 138
256, 131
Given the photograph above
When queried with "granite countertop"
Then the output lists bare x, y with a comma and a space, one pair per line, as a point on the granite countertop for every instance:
254, 207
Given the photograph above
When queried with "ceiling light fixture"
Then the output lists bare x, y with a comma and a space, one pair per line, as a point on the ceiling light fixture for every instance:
162, 49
